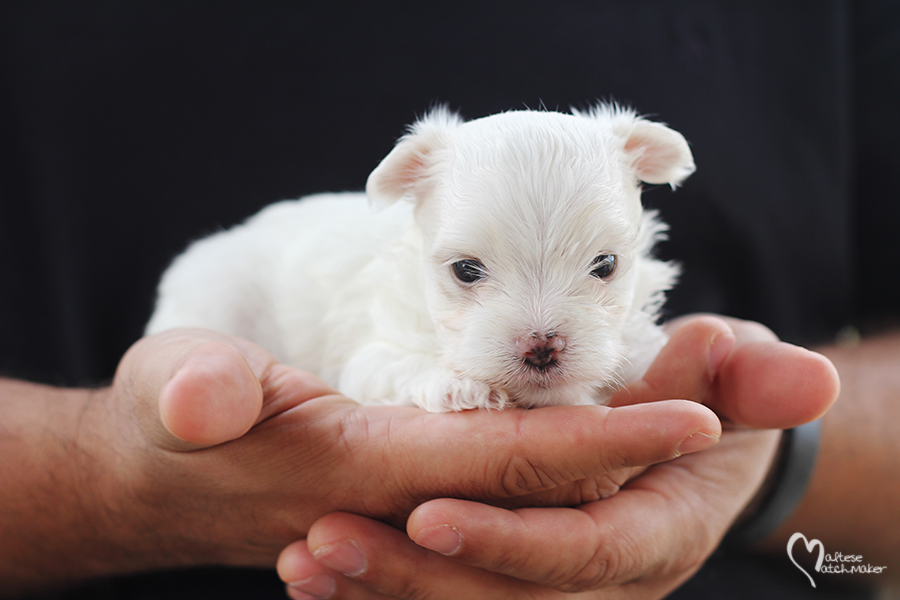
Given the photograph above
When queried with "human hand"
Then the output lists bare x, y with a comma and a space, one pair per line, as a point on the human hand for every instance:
640, 543
210, 452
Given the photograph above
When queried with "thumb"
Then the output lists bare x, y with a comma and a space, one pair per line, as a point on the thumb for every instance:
686, 367
193, 388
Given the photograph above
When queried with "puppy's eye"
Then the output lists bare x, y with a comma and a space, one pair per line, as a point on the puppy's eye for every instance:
603, 266
468, 270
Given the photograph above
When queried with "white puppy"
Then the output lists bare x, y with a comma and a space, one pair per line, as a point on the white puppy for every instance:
514, 270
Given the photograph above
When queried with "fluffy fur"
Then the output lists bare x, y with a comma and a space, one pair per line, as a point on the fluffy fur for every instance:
373, 302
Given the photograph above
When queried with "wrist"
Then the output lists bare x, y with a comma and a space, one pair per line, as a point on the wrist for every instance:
48, 504
122, 528
66, 494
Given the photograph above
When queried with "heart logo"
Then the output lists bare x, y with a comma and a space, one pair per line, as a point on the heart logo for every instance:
810, 544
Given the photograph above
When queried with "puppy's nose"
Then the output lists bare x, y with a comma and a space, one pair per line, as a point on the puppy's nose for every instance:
541, 351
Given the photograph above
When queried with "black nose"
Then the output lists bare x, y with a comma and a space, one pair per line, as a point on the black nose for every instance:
541, 356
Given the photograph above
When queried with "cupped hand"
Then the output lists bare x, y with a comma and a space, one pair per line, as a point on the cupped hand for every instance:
639, 543
216, 454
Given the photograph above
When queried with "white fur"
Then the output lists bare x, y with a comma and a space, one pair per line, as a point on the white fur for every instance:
369, 302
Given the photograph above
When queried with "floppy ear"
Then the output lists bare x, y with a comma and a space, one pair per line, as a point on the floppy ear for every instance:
406, 171
656, 153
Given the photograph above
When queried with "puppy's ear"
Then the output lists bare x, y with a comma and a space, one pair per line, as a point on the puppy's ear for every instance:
656, 153
408, 169
659, 154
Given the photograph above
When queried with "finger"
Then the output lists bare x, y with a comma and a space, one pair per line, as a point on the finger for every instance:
306, 579
398, 568
659, 528
303, 576
564, 548
765, 383
686, 366
601, 545
774, 385
516, 452
363, 553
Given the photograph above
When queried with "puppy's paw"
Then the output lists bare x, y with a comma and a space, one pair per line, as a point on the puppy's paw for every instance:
449, 393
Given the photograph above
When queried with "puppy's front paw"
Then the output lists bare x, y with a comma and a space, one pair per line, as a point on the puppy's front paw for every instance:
451, 393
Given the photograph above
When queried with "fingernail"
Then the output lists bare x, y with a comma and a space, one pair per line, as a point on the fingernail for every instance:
443, 539
320, 587
695, 443
719, 350
344, 557
295, 594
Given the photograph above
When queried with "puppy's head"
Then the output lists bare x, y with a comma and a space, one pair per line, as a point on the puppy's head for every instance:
539, 277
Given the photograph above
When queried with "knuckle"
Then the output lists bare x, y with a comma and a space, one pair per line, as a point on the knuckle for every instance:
610, 563
522, 476
596, 572
601, 487
591, 576
520, 472
412, 590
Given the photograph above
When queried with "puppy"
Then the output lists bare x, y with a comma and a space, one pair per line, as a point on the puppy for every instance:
507, 262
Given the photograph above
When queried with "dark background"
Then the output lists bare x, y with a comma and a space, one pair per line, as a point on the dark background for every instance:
128, 129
